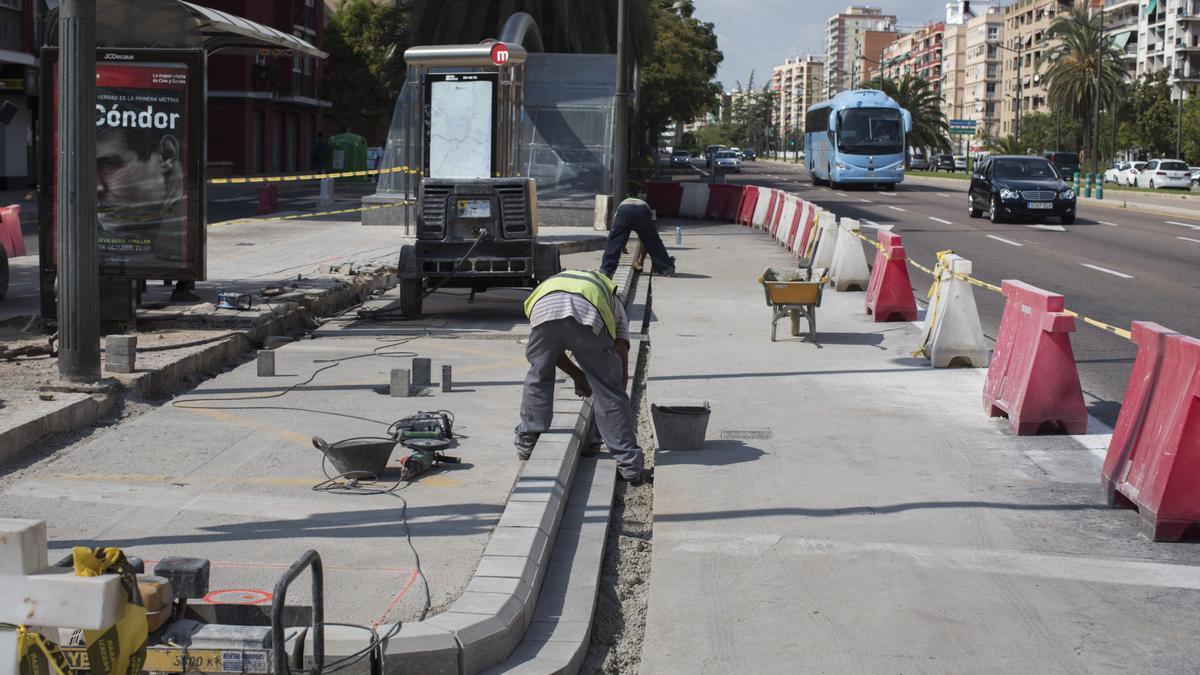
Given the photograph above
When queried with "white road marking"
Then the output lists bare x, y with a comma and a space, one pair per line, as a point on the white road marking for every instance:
1194, 241
890, 194
841, 194
865, 201
1051, 228
939, 220
1107, 271
874, 225
1194, 227
1105, 222
942, 194
1093, 569
896, 208
1010, 242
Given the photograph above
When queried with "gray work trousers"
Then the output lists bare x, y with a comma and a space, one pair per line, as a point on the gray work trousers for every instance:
597, 357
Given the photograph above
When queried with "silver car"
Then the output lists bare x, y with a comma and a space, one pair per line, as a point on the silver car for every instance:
727, 160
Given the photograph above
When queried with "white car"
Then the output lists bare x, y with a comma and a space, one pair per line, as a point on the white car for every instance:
1113, 174
1165, 173
960, 163
727, 160
1129, 174
739, 152
1195, 174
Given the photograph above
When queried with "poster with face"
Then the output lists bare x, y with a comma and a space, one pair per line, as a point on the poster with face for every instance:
141, 162
149, 118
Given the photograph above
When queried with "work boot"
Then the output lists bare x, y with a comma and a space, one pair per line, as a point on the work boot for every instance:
591, 448
524, 443
645, 476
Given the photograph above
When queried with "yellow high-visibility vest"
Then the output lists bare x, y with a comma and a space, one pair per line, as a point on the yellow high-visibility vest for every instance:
594, 287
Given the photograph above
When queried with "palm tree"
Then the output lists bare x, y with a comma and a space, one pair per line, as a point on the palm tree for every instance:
1005, 145
1071, 76
930, 128
567, 26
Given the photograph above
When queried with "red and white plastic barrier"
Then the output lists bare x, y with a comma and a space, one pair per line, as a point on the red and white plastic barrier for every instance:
889, 294
695, 200
952, 333
749, 201
268, 199
1153, 461
1032, 378
766, 204
723, 201
10, 231
664, 198
849, 270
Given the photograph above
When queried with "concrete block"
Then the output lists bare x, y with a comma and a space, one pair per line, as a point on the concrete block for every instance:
485, 640
420, 648
422, 371
266, 363
525, 542
559, 631
401, 385
528, 489
544, 516
447, 378
120, 344
554, 445
524, 568
341, 642
542, 658
56, 597
22, 546
567, 421
120, 353
560, 470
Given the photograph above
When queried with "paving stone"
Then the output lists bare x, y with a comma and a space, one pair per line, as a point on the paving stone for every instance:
420, 648
542, 515
528, 489
517, 541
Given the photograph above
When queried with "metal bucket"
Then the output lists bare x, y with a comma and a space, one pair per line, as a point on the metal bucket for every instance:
363, 459
680, 427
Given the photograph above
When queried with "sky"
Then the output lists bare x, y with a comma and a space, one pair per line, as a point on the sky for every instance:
758, 34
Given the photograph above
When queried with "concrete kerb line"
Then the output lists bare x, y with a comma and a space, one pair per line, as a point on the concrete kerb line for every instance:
488, 621
318, 214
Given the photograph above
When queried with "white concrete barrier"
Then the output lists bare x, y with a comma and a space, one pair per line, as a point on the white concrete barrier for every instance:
325, 199
849, 270
952, 334
822, 257
695, 200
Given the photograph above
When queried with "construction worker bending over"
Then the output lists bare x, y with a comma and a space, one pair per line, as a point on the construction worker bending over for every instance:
635, 215
578, 311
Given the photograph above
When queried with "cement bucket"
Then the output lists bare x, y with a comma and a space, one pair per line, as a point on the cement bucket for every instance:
680, 427
361, 458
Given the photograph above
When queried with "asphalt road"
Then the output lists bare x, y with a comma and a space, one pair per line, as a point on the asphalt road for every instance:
1114, 265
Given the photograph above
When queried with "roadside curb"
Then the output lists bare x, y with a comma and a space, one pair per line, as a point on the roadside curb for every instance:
88, 408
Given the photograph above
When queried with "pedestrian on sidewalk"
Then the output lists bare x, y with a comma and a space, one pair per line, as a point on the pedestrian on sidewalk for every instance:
634, 215
578, 311
318, 152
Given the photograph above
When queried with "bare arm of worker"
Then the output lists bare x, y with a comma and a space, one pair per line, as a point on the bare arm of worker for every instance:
568, 366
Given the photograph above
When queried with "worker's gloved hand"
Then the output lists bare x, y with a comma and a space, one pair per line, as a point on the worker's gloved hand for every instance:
582, 390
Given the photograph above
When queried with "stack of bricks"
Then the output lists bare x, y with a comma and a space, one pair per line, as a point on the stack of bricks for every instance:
120, 353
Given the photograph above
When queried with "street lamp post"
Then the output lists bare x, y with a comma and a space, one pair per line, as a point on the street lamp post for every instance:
1099, 64
78, 262
620, 166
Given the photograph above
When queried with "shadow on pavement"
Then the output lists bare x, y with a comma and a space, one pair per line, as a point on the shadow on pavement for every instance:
874, 510
714, 453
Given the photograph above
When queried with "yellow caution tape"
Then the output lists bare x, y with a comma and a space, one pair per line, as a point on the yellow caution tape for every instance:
298, 216
245, 180
1101, 325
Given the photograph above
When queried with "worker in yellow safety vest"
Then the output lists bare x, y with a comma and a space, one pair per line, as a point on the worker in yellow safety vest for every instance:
578, 311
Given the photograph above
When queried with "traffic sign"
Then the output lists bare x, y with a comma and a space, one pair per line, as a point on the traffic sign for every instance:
962, 127
499, 53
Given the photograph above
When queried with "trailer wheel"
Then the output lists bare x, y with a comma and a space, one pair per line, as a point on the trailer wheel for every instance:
411, 292
3, 273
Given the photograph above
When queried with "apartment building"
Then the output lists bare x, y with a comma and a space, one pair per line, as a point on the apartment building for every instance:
843, 39
954, 65
798, 84
1024, 47
982, 75
919, 54
870, 50
1169, 39
1121, 18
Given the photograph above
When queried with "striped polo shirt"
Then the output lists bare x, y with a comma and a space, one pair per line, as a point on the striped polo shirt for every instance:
561, 305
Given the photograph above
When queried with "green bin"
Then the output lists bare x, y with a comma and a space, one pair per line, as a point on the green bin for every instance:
347, 152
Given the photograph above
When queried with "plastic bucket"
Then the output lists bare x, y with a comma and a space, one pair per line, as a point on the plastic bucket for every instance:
680, 427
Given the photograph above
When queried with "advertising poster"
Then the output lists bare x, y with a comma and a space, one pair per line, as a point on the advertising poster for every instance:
149, 171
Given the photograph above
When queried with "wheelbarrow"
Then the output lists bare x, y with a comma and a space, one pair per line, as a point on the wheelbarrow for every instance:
791, 293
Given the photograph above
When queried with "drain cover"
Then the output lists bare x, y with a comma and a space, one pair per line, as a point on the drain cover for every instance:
746, 434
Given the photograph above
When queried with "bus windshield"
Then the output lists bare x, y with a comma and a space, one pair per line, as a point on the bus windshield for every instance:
870, 131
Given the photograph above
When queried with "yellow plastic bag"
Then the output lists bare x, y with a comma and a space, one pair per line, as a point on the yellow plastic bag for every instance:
119, 649
38, 656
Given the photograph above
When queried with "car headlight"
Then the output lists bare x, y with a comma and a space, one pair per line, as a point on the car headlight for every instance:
1067, 194
1009, 194
843, 166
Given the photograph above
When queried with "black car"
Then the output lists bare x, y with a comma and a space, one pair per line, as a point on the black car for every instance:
943, 163
1020, 187
749, 155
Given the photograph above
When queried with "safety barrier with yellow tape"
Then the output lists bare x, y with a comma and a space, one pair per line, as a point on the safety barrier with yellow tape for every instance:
245, 180
183, 660
298, 216
1115, 330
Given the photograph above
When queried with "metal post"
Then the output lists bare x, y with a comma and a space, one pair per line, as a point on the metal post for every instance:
1179, 128
78, 262
1020, 58
621, 110
1099, 64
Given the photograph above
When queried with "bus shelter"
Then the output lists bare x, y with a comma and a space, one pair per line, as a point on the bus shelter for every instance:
151, 69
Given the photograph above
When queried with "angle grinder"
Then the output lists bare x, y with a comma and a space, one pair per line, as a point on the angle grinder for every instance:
425, 454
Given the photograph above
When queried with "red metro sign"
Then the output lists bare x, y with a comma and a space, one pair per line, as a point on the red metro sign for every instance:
499, 53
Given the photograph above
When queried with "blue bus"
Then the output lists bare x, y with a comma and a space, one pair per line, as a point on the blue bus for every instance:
856, 137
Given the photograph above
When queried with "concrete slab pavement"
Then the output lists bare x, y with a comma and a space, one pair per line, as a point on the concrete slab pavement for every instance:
855, 510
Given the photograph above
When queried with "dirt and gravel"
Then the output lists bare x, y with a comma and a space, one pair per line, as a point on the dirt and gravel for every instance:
619, 624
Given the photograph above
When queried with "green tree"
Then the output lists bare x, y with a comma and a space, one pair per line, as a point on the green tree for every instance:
1043, 131
365, 68
677, 76
930, 128
1152, 129
1004, 145
566, 26
1071, 75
